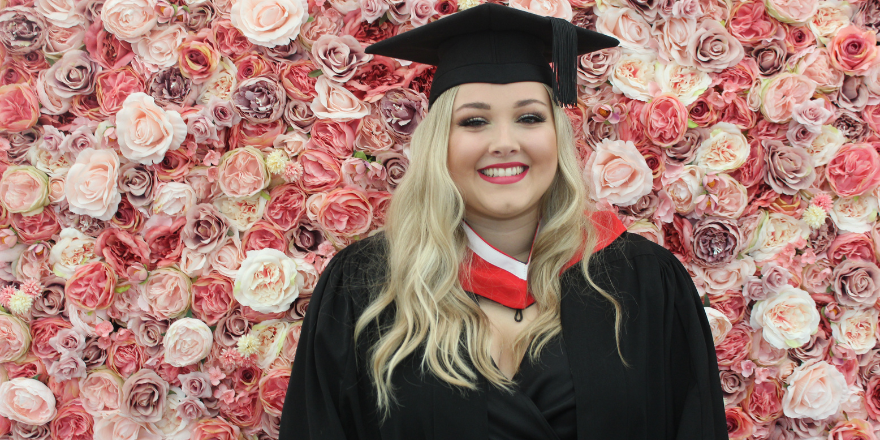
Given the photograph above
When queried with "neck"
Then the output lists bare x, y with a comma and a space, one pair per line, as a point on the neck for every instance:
513, 236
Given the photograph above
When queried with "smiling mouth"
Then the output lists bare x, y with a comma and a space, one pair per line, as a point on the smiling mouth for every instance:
503, 172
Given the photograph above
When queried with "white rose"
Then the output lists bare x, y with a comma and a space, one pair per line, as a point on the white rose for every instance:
683, 185
187, 341
856, 329
73, 249
269, 23
830, 17
61, 13
717, 280
726, 149
685, 82
775, 233
267, 281
632, 74
90, 187
625, 24
825, 146
270, 336
146, 131
719, 323
129, 20
855, 214
173, 199
161, 46
815, 389
617, 172
788, 319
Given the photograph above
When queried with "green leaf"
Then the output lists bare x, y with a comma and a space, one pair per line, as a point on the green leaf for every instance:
382, 19
311, 19
706, 300
691, 123
315, 73
361, 155
189, 313
265, 195
122, 289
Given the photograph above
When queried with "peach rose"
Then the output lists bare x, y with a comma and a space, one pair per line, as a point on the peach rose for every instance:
345, 212
269, 23
161, 46
146, 131
788, 319
632, 74
215, 429
783, 93
101, 392
618, 172
24, 190
625, 24
856, 329
719, 324
27, 401
90, 186
129, 20
853, 51
854, 170
187, 341
243, 173
792, 11
551, 8
336, 102
273, 388
166, 294
815, 390
15, 338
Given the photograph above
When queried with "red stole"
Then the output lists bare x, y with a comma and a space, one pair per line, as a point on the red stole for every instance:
503, 279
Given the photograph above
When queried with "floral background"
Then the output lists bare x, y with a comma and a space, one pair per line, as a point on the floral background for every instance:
178, 173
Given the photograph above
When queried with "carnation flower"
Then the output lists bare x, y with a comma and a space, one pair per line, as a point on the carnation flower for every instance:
276, 162
20, 302
814, 216
247, 345
822, 200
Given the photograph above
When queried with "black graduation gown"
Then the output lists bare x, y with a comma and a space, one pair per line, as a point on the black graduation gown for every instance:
671, 391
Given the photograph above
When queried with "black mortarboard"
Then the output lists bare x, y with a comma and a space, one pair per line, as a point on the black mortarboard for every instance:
497, 44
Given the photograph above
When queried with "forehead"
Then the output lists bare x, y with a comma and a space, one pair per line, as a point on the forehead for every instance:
501, 95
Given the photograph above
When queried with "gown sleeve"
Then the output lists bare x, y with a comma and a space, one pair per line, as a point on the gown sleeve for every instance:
698, 404
322, 400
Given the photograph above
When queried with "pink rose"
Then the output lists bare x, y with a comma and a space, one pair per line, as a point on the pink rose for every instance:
320, 171
285, 207
815, 389
118, 427
125, 356
166, 294
146, 131
853, 170
713, 49
273, 388
333, 137
750, 23
339, 57
735, 347
24, 189
90, 186
739, 425
269, 24
725, 197
556, 8
263, 235
42, 330
851, 245
856, 283
187, 341
853, 51
19, 108
129, 20
872, 397
617, 172
27, 401
211, 297
852, 429
121, 250
625, 24
109, 51
101, 392
91, 286
243, 172
215, 429
336, 102
665, 119
15, 338
72, 423
783, 93
113, 86
345, 212
144, 395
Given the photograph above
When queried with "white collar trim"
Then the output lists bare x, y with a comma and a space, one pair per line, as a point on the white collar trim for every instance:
495, 257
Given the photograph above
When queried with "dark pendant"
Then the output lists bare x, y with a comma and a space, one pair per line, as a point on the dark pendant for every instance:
518, 315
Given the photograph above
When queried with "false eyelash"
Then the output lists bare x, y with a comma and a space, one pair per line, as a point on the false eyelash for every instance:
537, 116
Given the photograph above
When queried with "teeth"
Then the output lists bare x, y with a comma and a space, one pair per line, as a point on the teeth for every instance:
503, 172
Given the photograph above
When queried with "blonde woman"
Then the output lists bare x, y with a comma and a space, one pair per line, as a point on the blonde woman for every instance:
496, 304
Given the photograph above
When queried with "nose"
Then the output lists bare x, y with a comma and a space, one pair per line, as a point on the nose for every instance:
505, 142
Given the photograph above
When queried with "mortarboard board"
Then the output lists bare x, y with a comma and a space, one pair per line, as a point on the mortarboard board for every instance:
497, 44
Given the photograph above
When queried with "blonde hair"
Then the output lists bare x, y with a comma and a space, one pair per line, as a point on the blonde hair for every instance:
426, 246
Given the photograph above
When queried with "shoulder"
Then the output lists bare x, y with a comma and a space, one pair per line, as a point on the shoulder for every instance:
358, 269
629, 247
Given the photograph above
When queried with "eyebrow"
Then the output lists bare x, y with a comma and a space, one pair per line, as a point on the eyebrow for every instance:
484, 106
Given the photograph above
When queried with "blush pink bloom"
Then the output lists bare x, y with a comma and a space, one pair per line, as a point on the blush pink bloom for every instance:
853, 170
215, 428
783, 93
617, 172
24, 189
91, 286
853, 50
166, 294
321, 171
665, 120
243, 172
345, 212
101, 392
72, 423
187, 341
211, 297
146, 131
553, 8
15, 338
27, 401
90, 186
273, 388
815, 389
19, 108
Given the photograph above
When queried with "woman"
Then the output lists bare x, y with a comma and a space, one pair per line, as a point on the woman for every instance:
491, 306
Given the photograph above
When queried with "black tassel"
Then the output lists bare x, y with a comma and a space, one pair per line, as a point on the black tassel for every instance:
564, 59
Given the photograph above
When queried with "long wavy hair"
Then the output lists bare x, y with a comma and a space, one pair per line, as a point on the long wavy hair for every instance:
426, 247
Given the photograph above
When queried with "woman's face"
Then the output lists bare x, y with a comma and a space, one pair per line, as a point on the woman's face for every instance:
502, 147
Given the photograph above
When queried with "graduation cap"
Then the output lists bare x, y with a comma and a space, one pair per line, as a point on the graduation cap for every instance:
497, 44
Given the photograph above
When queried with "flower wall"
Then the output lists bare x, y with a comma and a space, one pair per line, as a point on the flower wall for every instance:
177, 174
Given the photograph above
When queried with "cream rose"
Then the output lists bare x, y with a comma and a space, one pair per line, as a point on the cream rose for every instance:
775, 233
726, 149
830, 17
336, 102
618, 172
683, 185
161, 46
856, 329
787, 319
187, 341
27, 400
719, 324
24, 190
270, 337
267, 281
129, 20
825, 146
718, 280
632, 75
90, 187
685, 82
174, 199
101, 392
242, 212
548, 8
816, 389
73, 249
855, 214
146, 131
269, 23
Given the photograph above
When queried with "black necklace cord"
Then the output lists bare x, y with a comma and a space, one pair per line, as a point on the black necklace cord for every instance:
518, 315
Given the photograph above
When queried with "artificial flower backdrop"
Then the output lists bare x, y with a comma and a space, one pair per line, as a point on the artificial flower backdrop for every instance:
177, 174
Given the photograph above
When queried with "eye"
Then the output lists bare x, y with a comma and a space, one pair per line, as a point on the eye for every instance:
472, 122
533, 118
